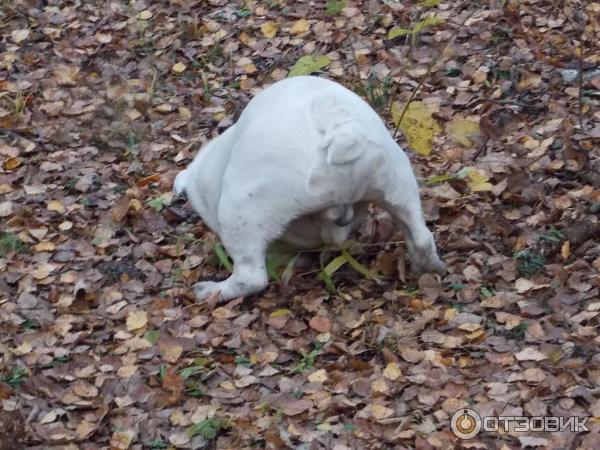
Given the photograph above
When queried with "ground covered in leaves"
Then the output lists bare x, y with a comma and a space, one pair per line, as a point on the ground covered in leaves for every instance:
101, 343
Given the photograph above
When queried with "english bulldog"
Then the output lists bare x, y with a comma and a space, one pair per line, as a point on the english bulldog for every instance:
302, 164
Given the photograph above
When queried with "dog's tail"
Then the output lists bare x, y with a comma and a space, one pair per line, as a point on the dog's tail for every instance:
181, 182
343, 137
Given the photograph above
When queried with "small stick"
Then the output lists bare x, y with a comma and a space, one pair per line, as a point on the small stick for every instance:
581, 79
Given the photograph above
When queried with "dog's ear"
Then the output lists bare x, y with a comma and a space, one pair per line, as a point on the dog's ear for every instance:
342, 136
180, 183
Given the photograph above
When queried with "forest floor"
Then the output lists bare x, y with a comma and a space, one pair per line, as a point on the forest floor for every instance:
101, 341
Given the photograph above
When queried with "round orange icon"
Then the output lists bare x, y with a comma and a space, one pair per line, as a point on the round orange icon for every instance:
465, 423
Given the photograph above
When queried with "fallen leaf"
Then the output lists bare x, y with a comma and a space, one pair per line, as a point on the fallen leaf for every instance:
12, 163
318, 376
18, 36
56, 206
380, 386
145, 15
321, 324
392, 371
172, 353
136, 320
477, 180
121, 440
178, 68
23, 349
295, 407
462, 131
300, 26
530, 354
381, 412
309, 64
417, 125
269, 29
6, 208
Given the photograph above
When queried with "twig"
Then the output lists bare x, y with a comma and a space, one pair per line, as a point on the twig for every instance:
580, 78
578, 23
350, 42
429, 69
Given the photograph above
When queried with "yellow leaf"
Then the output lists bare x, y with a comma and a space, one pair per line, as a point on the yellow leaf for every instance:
135, 204
392, 371
380, 385
279, 313
380, 412
121, 440
136, 320
476, 179
300, 26
462, 131
178, 68
565, 251
464, 362
244, 38
22, 349
319, 376
43, 271
171, 354
476, 335
250, 68
450, 314
44, 246
308, 64
418, 126
56, 206
12, 163
269, 29
145, 15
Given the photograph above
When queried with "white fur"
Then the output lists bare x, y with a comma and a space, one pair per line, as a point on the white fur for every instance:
302, 163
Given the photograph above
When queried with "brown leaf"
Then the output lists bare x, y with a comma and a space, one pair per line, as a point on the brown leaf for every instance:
321, 324
295, 407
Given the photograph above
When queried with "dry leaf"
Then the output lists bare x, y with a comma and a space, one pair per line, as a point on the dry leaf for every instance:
136, 320
295, 407
122, 440
18, 36
178, 68
318, 376
56, 206
530, 354
321, 324
418, 126
269, 29
463, 131
392, 371
300, 26
381, 412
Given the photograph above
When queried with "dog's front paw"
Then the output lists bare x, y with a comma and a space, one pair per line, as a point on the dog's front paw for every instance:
206, 289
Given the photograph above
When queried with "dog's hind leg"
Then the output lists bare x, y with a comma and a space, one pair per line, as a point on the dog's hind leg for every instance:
401, 200
246, 237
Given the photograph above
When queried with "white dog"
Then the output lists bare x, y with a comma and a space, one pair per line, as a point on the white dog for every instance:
302, 163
